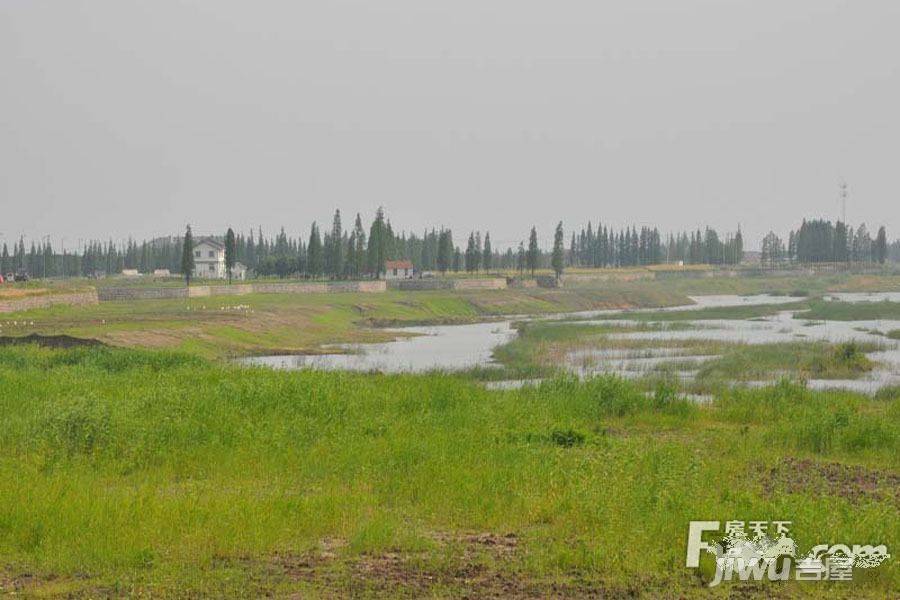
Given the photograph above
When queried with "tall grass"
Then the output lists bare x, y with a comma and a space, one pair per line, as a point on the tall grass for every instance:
851, 311
159, 472
800, 359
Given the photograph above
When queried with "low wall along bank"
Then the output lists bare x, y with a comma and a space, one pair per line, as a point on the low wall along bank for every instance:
331, 287
241, 289
496, 283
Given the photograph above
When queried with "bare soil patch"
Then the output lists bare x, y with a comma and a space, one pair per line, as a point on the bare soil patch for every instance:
853, 482
471, 565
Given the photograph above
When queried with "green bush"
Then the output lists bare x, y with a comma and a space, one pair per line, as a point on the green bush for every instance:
567, 438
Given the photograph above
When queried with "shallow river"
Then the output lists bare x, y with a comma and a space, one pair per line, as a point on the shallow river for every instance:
454, 347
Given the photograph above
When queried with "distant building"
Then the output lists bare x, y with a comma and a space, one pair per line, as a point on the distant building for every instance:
398, 269
162, 273
209, 261
239, 271
130, 273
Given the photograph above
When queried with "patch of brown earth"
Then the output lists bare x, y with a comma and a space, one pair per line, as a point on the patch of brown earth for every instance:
472, 565
853, 482
30, 585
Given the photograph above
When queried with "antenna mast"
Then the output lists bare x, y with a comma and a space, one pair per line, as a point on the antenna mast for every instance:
843, 186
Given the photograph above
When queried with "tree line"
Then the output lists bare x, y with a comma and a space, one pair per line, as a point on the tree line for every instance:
628, 247
820, 241
355, 250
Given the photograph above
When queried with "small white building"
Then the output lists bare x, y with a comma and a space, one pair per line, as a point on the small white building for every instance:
209, 261
239, 271
161, 273
130, 273
398, 269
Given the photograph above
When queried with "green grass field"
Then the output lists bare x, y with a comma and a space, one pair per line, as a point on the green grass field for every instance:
851, 311
156, 473
156, 468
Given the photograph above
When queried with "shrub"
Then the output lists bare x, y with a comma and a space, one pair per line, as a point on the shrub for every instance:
567, 438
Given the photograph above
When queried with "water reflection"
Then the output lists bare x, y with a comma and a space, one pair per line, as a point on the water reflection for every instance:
456, 347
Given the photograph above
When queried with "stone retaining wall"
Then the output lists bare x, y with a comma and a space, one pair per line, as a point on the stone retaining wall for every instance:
238, 289
110, 294
519, 282
365, 287
205, 291
580, 278
419, 285
497, 283
32, 302
548, 281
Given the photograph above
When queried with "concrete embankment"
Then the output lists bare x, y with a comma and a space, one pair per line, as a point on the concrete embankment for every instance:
114, 294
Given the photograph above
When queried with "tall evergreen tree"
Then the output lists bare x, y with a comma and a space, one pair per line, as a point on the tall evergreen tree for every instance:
377, 252
488, 252
187, 256
445, 250
5, 261
533, 251
229, 252
557, 260
337, 246
470, 253
359, 238
880, 247
314, 251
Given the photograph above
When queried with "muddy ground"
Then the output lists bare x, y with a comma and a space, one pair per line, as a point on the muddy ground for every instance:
49, 341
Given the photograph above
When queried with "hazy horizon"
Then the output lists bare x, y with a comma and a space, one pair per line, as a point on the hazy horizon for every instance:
128, 119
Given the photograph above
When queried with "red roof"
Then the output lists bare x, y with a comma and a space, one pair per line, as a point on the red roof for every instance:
398, 264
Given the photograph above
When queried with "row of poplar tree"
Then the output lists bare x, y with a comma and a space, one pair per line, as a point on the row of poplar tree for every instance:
604, 247
357, 251
819, 241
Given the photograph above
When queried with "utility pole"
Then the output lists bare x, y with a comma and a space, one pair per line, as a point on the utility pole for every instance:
843, 193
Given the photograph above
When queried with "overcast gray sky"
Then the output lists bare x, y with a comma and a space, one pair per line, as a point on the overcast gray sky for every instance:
121, 117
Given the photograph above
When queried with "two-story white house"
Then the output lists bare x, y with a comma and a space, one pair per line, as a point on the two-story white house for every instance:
209, 261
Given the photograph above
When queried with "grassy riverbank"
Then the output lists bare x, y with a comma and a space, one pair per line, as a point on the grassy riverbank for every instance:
303, 323
851, 311
297, 323
163, 474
